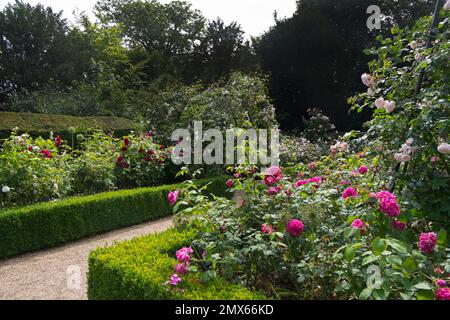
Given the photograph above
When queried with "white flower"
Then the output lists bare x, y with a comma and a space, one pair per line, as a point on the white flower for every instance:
379, 103
444, 148
367, 79
36, 149
6, 189
447, 5
389, 106
410, 141
414, 44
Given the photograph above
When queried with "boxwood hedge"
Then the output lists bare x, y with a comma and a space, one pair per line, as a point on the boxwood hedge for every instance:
45, 225
138, 269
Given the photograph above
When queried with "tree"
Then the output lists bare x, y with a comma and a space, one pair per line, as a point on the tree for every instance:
38, 48
222, 50
316, 57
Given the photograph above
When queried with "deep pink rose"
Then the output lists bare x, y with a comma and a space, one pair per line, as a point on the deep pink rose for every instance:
184, 254
272, 191
301, 183
182, 268
427, 242
441, 283
295, 228
443, 294
363, 170
398, 225
349, 192
266, 228
47, 154
174, 279
358, 224
230, 183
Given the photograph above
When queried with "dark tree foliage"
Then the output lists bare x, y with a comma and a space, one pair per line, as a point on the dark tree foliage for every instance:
38, 49
315, 58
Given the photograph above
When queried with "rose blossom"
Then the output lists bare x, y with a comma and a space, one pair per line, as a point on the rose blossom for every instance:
272, 191
447, 5
349, 192
388, 203
358, 224
363, 170
441, 283
398, 225
312, 166
413, 44
272, 175
389, 106
6, 189
183, 255
443, 294
230, 183
434, 159
266, 228
173, 197
174, 279
427, 242
295, 228
379, 103
444, 148
182, 268
47, 154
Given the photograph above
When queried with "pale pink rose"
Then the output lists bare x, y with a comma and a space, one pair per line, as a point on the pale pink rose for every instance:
389, 106
447, 5
371, 92
379, 103
444, 148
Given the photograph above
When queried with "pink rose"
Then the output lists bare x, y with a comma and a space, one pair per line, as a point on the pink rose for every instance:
441, 283
173, 197
174, 279
272, 175
183, 255
272, 191
266, 228
301, 183
312, 166
230, 183
427, 242
358, 224
443, 294
295, 228
363, 170
398, 225
182, 268
349, 192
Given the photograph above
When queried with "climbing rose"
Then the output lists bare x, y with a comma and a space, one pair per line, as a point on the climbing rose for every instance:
444, 148
230, 183
173, 196
441, 283
183, 255
427, 242
363, 170
349, 192
358, 224
174, 279
267, 228
398, 225
182, 268
295, 228
443, 294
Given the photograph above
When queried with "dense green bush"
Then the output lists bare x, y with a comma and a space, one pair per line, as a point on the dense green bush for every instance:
48, 224
137, 270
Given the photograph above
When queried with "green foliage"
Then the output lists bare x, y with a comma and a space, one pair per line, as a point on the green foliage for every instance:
138, 269
49, 224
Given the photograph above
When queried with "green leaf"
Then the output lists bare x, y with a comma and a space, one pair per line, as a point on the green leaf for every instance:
380, 294
425, 295
395, 260
378, 246
398, 245
409, 265
349, 253
365, 294
369, 259
442, 238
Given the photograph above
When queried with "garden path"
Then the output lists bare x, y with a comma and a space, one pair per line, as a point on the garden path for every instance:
52, 274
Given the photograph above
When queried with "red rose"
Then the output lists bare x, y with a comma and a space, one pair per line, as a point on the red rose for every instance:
124, 149
58, 141
126, 141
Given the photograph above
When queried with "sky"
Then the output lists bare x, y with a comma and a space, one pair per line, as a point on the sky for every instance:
255, 16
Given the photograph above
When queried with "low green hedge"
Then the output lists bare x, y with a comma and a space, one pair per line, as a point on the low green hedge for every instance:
45, 225
37, 124
138, 269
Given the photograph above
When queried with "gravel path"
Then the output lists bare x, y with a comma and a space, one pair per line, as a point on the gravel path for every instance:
60, 273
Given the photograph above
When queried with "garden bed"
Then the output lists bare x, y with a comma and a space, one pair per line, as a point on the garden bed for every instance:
49, 224
138, 270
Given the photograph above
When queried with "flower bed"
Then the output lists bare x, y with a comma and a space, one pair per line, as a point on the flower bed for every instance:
49, 224
138, 269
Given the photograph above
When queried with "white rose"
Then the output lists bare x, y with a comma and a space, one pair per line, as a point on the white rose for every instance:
413, 44
389, 106
379, 103
410, 141
36, 149
447, 5
367, 79
6, 189
371, 92
444, 148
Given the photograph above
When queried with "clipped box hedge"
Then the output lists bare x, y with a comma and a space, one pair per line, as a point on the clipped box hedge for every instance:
138, 269
46, 225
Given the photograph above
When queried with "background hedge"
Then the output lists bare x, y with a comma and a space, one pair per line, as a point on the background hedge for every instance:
137, 270
49, 224
41, 124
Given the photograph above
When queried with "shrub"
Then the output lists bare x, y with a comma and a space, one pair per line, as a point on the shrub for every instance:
45, 225
138, 269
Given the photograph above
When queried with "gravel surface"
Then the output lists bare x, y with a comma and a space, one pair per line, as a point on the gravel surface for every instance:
60, 273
